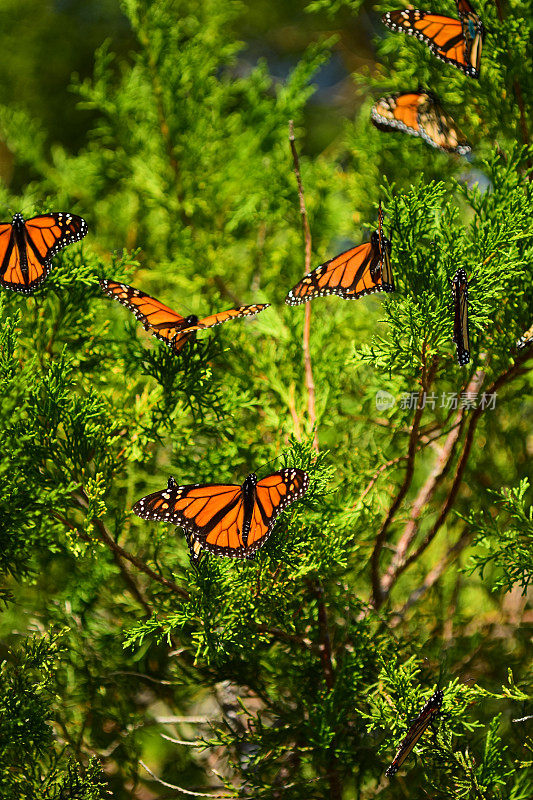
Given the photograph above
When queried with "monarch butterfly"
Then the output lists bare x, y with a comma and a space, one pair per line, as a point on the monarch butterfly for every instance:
418, 726
27, 247
420, 114
361, 270
459, 285
163, 322
454, 41
526, 339
226, 519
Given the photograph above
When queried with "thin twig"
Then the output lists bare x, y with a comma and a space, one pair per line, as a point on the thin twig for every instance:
284, 636
108, 540
309, 380
186, 742
294, 413
179, 788
184, 720
324, 646
335, 785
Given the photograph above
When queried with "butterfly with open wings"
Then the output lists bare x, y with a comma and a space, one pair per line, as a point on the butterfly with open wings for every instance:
226, 519
28, 246
166, 324
419, 114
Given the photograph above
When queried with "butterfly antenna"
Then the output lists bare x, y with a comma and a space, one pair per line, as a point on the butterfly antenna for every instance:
272, 461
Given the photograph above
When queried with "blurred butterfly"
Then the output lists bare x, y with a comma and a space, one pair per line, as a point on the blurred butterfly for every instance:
420, 114
166, 324
418, 726
361, 270
525, 340
27, 247
225, 519
454, 41
459, 285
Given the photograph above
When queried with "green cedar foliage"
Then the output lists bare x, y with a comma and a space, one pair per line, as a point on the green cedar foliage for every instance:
295, 674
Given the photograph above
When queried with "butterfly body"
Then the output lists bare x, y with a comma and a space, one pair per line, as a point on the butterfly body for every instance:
226, 519
454, 41
416, 729
359, 271
459, 284
419, 113
28, 246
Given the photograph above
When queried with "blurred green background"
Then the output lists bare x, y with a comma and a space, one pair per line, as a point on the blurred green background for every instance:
45, 43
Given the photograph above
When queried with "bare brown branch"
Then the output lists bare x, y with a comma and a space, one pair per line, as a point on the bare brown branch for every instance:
504, 378
104, 535
309, 380
134, 589
428, 375
435, 478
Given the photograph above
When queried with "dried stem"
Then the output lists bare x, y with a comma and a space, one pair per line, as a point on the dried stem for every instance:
309, 380
426, 380
179, 788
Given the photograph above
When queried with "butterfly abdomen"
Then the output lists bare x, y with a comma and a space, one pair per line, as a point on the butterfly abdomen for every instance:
248, 496
20, 240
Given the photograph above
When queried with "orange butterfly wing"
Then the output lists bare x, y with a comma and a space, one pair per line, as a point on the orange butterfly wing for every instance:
273, 494
454, 41
211, 513
224, 316
398, 111
350, 275
225, 519
160, 320
27, 248
420, 114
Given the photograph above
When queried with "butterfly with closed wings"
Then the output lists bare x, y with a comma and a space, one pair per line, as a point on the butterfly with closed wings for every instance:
28, 246
358, 271
459, 284
420, 114
454, 41
166, 324
417, 728
226, 519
